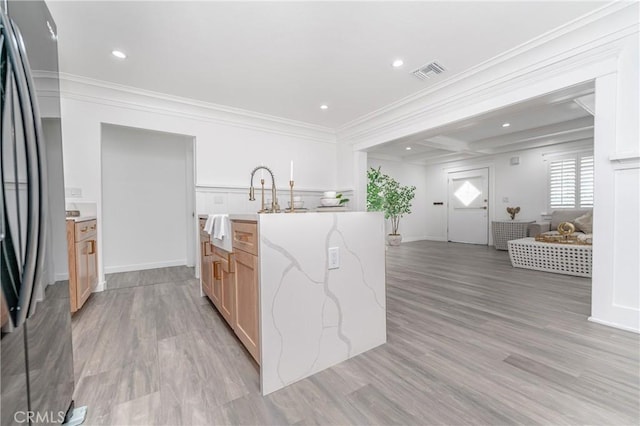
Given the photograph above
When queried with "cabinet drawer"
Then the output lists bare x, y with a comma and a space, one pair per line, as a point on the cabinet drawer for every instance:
86, 229
245, 236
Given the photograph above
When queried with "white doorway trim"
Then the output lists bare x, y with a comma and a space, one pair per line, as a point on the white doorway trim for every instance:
189, 144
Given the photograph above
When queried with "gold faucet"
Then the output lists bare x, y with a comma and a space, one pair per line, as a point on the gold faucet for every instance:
274, 196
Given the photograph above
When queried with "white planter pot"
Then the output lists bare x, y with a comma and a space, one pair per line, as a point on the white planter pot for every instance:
394, 240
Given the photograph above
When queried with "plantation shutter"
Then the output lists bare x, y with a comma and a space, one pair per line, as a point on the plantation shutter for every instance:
562, 184
586, 181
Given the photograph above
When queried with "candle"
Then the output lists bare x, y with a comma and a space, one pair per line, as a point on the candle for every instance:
261, 173
291, 178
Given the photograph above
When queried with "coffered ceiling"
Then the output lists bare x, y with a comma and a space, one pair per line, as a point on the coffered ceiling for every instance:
557, 118
287, 58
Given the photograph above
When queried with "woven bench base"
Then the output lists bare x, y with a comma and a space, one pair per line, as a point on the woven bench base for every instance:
549, 257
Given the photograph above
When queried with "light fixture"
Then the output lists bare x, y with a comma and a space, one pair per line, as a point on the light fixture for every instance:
119, 54
323, 106
506, 124
397, 63
408, 148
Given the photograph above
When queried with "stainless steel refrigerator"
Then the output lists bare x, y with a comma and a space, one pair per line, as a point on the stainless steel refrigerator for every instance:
36, 349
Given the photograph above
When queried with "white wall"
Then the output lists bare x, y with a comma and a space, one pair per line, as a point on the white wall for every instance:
412, 226
57, 263
145, 203
229, 142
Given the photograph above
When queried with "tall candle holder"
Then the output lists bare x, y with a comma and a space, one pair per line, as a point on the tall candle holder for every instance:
291, 207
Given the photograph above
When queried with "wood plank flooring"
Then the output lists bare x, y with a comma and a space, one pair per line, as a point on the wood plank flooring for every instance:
471, 340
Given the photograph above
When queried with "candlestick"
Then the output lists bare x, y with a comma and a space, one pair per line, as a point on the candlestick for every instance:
291, 208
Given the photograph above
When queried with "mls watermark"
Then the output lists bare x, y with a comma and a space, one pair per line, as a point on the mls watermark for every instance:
36, 417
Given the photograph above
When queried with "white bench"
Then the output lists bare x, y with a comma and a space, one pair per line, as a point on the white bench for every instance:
569, 259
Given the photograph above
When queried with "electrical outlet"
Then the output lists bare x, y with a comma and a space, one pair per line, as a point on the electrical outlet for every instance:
334, 257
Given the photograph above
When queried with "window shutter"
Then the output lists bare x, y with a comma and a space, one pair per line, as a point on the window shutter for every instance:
562, 184
586, 181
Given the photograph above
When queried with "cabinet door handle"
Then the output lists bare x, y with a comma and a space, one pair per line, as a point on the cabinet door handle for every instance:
216, 271
92, 250
85, 229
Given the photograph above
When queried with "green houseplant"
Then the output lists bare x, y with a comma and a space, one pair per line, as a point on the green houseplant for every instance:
384, 193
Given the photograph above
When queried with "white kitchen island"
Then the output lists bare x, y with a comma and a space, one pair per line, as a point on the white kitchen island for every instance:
311, 317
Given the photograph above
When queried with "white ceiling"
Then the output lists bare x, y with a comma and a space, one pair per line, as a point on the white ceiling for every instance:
287, 58
553, 119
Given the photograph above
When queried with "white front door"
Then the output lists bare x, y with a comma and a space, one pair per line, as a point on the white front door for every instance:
468, 207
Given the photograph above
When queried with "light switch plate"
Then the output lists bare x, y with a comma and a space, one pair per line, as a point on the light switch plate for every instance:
334, 257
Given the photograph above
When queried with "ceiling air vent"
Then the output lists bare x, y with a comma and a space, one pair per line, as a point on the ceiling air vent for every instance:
427, 71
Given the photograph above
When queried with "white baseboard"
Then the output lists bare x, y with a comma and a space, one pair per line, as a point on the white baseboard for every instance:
614, 325
411, 238
143, 266
99, 287
62, 277
431, 238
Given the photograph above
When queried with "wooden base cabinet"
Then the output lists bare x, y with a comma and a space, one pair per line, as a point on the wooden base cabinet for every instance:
246, 298
224, 282
83, 260
230, 280
245, 251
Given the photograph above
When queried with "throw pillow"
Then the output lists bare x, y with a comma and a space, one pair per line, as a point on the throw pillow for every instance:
584, 223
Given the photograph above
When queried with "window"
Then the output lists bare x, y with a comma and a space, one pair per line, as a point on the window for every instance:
571, 182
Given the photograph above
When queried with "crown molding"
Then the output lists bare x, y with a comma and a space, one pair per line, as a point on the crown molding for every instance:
111, 94
570, 46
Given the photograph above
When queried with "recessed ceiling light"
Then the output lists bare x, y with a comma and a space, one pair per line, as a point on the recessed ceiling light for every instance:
324, 107
397, 63
506, 124
119, 54
408, 148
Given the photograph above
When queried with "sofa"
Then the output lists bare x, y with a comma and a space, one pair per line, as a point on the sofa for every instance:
582, 219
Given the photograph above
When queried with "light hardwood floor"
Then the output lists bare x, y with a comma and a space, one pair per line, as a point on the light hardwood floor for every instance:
471, 340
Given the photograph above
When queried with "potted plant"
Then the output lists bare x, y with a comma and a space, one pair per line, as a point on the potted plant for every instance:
384, 193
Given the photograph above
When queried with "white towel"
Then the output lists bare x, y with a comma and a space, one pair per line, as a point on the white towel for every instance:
208, 226
220, 226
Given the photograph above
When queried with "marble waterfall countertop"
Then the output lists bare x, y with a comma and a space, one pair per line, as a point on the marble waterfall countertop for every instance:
312, 317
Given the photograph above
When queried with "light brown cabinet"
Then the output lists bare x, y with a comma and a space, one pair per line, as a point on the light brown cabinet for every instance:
230, 280
4, 311
83, 260
245, 249
224, 282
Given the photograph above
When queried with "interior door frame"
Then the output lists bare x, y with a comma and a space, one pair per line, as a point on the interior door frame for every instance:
190, 157
491, 186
